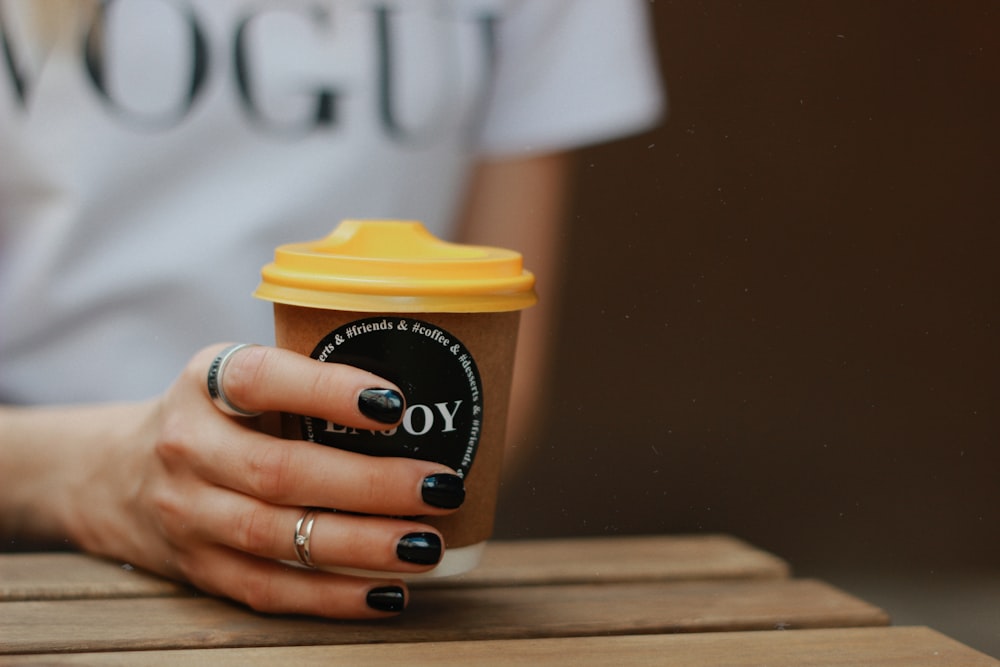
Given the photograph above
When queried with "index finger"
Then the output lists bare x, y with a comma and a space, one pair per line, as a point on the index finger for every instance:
271, 379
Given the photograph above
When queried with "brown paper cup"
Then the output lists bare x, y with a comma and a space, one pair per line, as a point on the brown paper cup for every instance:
454, 367
487, 339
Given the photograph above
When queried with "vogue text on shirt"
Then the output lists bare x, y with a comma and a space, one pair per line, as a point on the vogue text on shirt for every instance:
200, 68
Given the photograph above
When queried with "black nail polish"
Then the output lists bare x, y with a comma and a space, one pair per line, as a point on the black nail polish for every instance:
443, 490
420, 548
387, 598
382, 405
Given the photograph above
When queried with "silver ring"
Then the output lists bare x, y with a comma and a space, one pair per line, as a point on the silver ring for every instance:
303, 533
215, 391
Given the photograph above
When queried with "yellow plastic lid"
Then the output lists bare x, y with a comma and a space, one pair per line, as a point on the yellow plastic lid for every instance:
396, 266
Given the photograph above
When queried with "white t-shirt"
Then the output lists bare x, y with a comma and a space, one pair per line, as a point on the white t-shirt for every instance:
153, 159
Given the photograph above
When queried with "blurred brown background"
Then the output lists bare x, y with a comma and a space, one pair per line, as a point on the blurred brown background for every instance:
782, 310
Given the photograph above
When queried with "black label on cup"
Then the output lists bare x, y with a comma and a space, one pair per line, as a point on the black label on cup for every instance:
444, 394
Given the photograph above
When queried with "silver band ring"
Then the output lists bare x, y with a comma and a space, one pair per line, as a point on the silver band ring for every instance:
303, 533
215, 391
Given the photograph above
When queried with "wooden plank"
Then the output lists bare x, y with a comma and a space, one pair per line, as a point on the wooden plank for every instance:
618, 559
873, 647
68, 576
50, 576
439, 615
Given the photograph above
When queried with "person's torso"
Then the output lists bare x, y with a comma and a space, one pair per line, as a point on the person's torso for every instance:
154, 158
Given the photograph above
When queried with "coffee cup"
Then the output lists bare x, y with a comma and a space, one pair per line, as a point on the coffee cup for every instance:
438, 319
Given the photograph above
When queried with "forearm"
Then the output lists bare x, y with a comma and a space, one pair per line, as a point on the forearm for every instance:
521, 204
50, 456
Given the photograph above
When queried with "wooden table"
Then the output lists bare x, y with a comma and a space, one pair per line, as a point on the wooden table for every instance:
683, 600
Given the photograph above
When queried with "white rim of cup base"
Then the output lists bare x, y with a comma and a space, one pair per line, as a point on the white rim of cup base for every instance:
455, 561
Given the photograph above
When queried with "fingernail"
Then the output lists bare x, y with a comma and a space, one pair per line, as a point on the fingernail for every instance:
382, 405
443, 490
420, 548
387, 598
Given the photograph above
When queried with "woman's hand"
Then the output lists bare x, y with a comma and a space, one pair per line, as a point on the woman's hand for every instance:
177, 487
